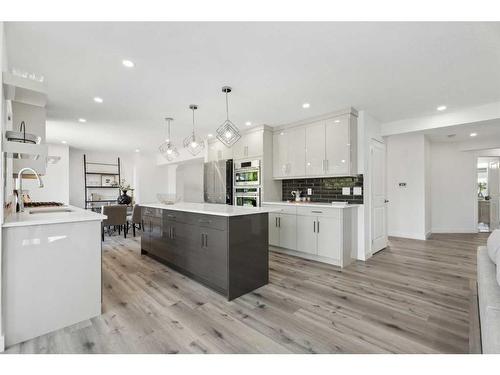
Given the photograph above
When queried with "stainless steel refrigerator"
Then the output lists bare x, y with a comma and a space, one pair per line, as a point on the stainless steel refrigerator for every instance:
218, 182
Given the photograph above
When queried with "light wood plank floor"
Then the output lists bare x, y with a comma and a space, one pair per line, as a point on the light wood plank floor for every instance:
413, 297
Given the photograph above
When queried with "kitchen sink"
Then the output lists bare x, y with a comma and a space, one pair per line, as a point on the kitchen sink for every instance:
50, 210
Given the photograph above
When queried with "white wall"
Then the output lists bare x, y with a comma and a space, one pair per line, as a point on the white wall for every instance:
406, 215
368, 129
3, 67
148, 178
453, 174
55, 180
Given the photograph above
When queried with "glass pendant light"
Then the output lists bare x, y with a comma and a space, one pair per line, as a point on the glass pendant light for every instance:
228, 132
167, 149
193, 144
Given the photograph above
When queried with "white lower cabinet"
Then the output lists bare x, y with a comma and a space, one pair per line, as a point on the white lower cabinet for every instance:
282, 230
323, 234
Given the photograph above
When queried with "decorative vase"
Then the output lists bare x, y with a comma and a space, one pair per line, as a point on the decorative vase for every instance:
124, 198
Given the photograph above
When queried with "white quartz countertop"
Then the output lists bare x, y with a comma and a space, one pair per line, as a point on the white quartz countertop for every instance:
50, 215
210, 208
312, 204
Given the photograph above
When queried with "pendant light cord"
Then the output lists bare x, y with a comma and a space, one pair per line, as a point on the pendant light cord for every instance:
227, 107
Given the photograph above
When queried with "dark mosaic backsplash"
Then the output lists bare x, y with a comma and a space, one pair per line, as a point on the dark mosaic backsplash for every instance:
324, 189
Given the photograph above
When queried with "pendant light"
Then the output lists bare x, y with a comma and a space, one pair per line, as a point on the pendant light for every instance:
228, 132
167, 149
193, 144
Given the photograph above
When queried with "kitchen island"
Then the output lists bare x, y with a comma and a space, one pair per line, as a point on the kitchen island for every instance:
51, 270
223, 247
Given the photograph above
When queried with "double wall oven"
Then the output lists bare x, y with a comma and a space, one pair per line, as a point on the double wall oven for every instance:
247, 183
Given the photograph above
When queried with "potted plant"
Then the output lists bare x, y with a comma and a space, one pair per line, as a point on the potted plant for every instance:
124, 188
481, 187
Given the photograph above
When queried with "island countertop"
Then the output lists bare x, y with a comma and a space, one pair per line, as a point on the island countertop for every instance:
311, 204
210, 208
50, 215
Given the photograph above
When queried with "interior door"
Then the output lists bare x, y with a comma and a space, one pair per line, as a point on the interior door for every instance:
315, 149
378, 196
494, 193
306, 234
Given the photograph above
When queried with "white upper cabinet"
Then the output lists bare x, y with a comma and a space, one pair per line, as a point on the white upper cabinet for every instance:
315, 149
249, 146
218, 151
318, 149
289, 153
338, 146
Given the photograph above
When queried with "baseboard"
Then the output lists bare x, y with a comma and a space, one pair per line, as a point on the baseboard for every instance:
2, 343
453, 230
412, 236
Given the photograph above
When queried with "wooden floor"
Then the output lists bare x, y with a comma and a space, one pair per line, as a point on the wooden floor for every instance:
413, 297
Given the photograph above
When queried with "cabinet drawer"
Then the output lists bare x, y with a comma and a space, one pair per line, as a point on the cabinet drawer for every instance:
282, 209
151, 212
208, 221
320, 212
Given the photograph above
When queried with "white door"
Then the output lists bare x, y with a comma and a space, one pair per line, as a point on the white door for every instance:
338, 147
315, 149
329, 231
306, 234
494, 193
378, 197
274, 231
288, 231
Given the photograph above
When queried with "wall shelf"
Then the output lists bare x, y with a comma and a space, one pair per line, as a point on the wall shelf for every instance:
116, 172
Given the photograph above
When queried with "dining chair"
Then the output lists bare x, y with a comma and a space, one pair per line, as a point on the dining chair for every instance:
116, 216
135, 219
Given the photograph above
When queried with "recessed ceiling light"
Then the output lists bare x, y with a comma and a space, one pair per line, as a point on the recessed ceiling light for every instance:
137, 150
248, 123
473, 134
306, 105
64, 142
98, 99
82, 120
441, 108
210, 135
128, 63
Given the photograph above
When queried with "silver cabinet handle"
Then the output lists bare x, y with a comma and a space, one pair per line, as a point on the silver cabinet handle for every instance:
206, 240
279, 222
202, 242
173, 232
314, 226
318, 226
276, 222
317, 212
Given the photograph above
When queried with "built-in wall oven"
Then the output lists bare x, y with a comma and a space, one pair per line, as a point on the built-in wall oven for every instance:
247, 173
247, 196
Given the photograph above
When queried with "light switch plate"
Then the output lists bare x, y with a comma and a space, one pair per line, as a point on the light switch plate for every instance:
357, 190
346, 191
309, 191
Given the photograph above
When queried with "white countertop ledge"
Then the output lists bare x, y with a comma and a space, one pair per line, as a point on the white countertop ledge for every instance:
25, 218
312, 204
210, 208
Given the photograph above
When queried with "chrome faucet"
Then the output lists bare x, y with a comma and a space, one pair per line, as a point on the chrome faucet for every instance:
19, 187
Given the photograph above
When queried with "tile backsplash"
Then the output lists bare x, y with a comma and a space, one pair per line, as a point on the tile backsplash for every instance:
325, 189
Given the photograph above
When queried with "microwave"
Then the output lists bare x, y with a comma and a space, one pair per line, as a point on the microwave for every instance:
247, 173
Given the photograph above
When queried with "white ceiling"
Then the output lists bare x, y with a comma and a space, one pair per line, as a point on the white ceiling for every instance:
391, 70
485, 131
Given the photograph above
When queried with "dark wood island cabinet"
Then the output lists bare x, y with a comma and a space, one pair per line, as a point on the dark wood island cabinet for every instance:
224, 248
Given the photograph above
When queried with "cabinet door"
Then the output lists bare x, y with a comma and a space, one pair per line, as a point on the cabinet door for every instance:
240, 147
288, 231
158, 245
315, 149
280, 154
329, 231
254, 143
274, 231
146, 234
212, 262
338, 146
306, 234
296, 152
